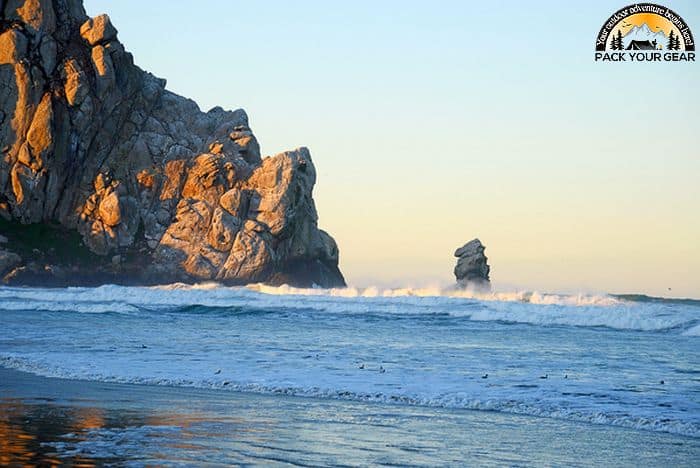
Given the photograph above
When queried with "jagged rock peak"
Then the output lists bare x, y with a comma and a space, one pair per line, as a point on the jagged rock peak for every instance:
98, 156
472, 267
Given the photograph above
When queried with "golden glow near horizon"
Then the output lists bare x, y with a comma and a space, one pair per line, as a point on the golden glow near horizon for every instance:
595, 220
431, 126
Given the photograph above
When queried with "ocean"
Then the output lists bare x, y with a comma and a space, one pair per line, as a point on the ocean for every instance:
626, 364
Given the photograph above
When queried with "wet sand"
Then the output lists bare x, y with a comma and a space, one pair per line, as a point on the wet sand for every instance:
54, 421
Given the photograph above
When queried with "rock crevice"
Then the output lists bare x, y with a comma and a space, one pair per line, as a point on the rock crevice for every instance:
92, 144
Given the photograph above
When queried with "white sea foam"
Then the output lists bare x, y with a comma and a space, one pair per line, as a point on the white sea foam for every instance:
621, 318
84, 307
112, 443
435, 291
481, 400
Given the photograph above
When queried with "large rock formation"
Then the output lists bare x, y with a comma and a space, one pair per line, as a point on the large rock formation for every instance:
472, 269
107, 176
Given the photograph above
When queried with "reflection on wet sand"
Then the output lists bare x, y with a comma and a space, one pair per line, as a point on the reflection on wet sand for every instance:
39, 432
52, 435
25, 429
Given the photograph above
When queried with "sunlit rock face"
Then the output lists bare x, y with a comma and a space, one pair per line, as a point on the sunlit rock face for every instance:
472, 269
157, 190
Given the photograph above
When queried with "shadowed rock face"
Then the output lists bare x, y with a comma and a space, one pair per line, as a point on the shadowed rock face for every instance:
157, 190
472, 268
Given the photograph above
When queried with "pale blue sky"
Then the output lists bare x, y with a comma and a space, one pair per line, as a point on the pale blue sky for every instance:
432, 123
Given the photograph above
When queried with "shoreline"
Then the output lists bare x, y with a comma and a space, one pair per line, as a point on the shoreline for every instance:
232, 388
115, 422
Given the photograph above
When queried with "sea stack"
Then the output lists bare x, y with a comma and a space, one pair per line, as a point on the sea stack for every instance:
472, 269
106, 176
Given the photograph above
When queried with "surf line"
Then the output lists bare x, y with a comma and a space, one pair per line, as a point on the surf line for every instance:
645, 57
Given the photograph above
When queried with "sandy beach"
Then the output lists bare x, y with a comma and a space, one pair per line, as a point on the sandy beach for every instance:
58, 421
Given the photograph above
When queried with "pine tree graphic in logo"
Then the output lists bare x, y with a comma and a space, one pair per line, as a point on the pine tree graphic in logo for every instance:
616, 41
674, 42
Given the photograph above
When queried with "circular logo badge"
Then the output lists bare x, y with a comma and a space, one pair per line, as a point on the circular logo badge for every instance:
645, 27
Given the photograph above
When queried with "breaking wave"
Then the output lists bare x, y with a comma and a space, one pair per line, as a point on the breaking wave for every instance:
640, 313
528, 297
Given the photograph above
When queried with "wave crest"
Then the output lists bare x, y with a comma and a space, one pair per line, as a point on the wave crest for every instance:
542, 309
530, 297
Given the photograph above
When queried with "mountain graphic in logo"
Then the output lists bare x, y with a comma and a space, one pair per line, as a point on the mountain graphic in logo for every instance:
643, 34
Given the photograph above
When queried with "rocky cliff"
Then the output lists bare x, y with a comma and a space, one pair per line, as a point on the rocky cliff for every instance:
105, 176
472, 268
